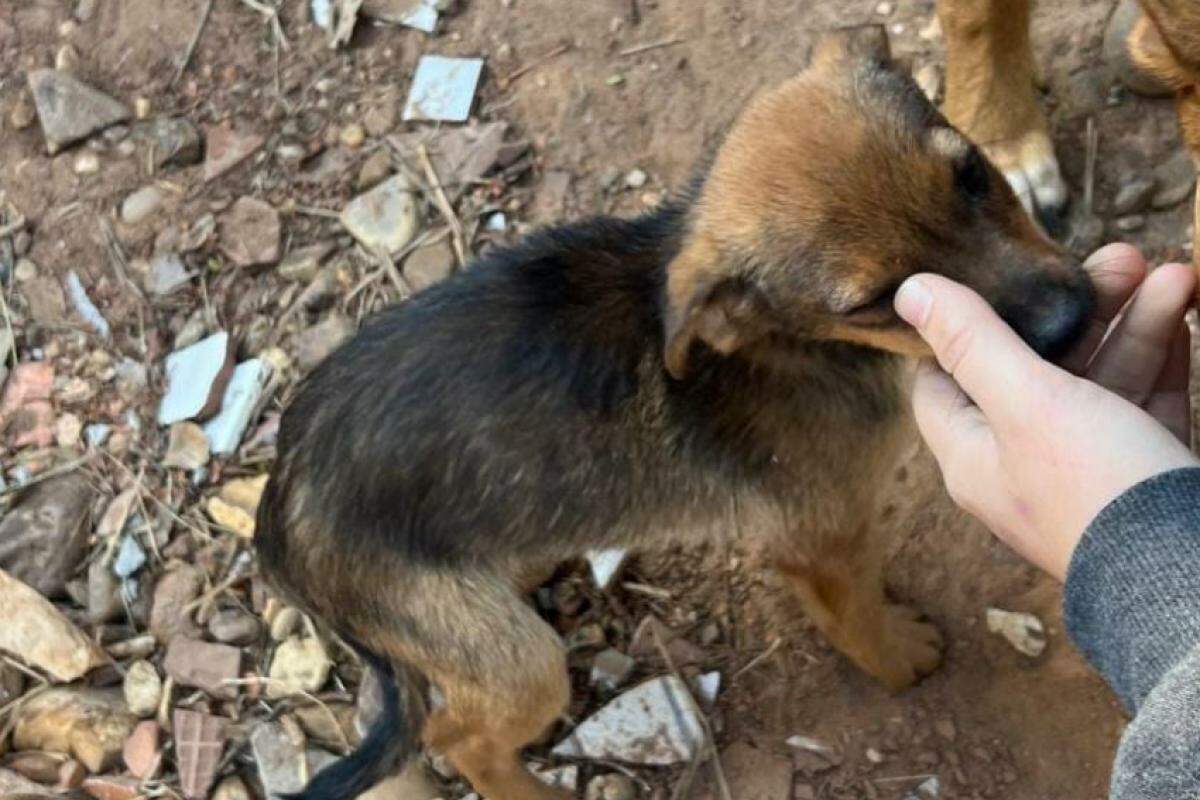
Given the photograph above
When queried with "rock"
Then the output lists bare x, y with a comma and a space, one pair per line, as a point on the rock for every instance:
225, 148
708, 685
232, 788
929, 789
196, 379
66, 435
377, 167
85, 10
44, 296
1133, 196
70, 110
651, 633
141, 753
37, 766
141, 204
443, 89
353, 136
1116, 52
202, 665
108, 787
23, 112
1175, 178
611, 668
302, 265
199, 743
250, 233
25, 408
812, 756
44, 537
130, 557
103, 593
285, 623
239, 404
299, 665
551, 199
176, 142
1023, 631
929, 79
142, 688
655, 723
429, 264
165, 273
38, 634
315, 344
173, 593
86, 163
384, 218
187, 447
329, 724
381, 117
281, 761
1131, 223
613, 786
635, 179
89, 724
234, 626
754, 774
14, 786
605, 564
234, 507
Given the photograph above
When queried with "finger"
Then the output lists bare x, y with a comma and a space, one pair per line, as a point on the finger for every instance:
1170, 402
983, 355
952, 426
1116, 271
1131, 358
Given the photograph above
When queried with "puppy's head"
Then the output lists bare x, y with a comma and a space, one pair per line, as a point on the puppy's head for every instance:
831, 190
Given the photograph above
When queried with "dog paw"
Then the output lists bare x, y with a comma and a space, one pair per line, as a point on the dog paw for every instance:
909, 649
1029, 165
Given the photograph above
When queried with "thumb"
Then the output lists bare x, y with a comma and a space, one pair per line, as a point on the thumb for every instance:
983, 355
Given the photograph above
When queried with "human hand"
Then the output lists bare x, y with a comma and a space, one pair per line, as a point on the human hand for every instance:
1031, 449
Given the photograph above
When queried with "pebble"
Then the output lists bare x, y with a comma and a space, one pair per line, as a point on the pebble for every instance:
929, 79
232, 788
130, 557
299, 665
142, 688
235, 505
103, 593
1175, 178
613, 786
86, 163
654, 723
70, 110
285, 623
281, 761
302, 265
250, 232
1131, 223
85, 10
1022, 630
141, 752
885, 8
196, 379
225, 148
755, 774
238, 405
97, 433
316, 343
611, 668
203, 665
177, 142
141, 107
41, 636
23, 113
199, 743
636, 179
1133, 196
377, 167
929, 789
44, 537
66, 59
175, 590
165, 273
429, 264
353, 136
234, 626
110, 787
141, 204
88, 724
708, 685
385, 217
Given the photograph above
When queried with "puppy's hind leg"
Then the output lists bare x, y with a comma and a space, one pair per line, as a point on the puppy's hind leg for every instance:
838, 579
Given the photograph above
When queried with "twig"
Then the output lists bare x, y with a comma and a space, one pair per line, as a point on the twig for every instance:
389, 268
8, 326
12, 227
643, 48
439, 196
758, 659
1089, 169
512, 77
61, 469
313, 211
170, 511
273, 15
191, 48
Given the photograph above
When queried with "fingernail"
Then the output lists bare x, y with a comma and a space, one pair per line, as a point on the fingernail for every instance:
913, 301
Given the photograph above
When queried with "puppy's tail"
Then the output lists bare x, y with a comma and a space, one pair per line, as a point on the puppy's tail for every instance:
393, 739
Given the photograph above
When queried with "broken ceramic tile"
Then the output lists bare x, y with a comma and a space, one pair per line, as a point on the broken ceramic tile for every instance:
707, 686
70, 110
241, 398
196, 379
654, 723
605, 565
84, 306
199, 742
443, 89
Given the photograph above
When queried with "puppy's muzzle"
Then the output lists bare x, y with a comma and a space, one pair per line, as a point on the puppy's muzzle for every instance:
1050, 314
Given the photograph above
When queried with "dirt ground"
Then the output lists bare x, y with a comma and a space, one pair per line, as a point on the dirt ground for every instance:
991, 723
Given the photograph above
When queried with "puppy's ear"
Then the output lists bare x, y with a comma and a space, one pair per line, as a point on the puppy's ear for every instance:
723, 312
841, 47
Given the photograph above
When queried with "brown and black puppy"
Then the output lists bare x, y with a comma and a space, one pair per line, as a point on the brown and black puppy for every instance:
729, 361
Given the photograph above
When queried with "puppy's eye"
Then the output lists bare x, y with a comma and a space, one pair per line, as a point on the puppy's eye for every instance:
876, 311
971, 175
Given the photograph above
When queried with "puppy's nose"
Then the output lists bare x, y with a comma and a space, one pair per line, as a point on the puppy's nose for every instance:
1049, 314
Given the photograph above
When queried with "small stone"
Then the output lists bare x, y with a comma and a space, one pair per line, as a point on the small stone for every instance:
141, 204
605, 564
1175, 179
328, 724
232, 788
635, 179
428, 265
931, 30
196, 379
233, 626
1133, 196
315, 344
235, 506
874, 756
173, 593
41, 636
285, 623
377, 167
385, 217
380, 118
946, 729
929, 79
109, 787
130, 557
611, 668
86, 163
142, 688
302, 265
281, 761
199, 744
176, 141
103, 593
70, 110
755, 774
1131, 223
1023, 631
23, 113
299, 665
187, 447
89, 724
44, 537
66, 59
613, 786
165, 273
225, 148
141, 107
85, 10
141, 753
708, 685
655, 723
250, 233
929, 789
202, 665
353, 136
885, 8
97, 434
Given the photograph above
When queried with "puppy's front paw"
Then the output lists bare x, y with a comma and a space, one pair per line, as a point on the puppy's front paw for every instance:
1031, 169
909, 649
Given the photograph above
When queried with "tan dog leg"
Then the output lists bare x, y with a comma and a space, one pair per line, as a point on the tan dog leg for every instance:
839, 581
990, 97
